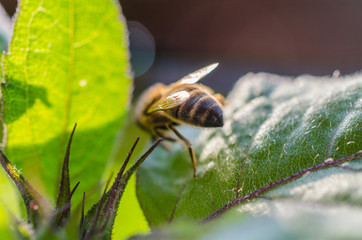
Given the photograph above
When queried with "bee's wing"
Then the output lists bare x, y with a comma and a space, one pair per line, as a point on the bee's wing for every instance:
197, 75
169, 102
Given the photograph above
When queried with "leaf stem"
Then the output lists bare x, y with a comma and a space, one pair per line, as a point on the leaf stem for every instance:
259, 191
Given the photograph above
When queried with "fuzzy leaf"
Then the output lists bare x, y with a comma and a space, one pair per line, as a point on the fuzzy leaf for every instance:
67, 63
274, 127
286, 220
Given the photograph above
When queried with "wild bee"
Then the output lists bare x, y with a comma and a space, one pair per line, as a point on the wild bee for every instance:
161, 108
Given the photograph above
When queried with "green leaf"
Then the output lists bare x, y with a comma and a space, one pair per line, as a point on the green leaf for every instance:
67, 63
274, 127
284, 221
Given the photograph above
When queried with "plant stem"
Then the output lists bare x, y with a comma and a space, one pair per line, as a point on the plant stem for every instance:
259, 191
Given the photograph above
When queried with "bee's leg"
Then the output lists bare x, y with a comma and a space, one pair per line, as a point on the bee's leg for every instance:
164, 144
188, 144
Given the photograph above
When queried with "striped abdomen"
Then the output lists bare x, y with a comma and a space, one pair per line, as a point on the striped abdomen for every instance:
201, 109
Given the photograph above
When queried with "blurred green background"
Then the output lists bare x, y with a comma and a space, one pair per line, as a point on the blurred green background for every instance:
170, 39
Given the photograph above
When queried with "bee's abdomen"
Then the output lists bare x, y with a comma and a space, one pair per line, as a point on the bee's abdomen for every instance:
200, 110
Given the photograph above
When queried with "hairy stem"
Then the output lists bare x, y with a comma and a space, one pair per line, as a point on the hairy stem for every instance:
259, 191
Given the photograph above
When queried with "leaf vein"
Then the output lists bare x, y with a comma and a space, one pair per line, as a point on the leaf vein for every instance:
338, 126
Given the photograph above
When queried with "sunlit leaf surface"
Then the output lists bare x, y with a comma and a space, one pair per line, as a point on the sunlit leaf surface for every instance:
67, 64
274, 127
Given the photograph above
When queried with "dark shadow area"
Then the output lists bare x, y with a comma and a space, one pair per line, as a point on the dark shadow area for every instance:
283, 37
171, 39
26, 95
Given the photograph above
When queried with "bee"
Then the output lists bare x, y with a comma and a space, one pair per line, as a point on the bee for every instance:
161, 108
